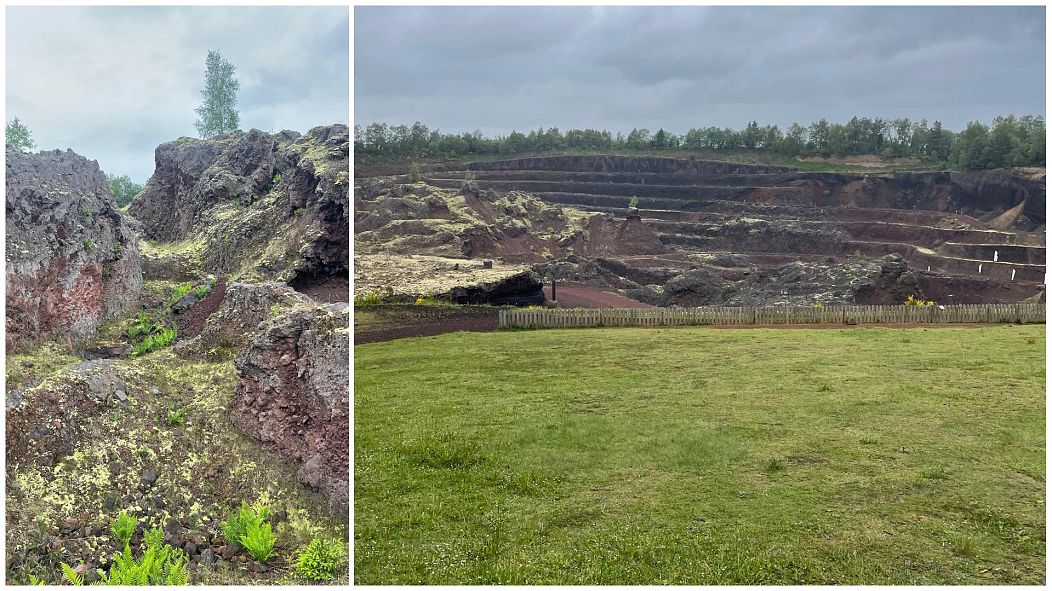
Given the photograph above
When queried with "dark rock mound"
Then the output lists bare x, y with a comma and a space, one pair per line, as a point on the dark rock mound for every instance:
293, 394
521, 289
72, 262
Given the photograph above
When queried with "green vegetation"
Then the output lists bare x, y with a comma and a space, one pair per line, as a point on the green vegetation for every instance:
177, 416
702, 455
123, 189
218, 114
634, 201
152, 342
88, 243
160, 564
123, 526
373, 298
321, 560
247, 526
181, 290
414, 173
154, 335
202, 290
1013, 141
259, 541
18, 136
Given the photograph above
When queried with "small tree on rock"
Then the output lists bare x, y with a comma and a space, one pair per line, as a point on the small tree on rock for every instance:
123, 189
18, 135
218, 113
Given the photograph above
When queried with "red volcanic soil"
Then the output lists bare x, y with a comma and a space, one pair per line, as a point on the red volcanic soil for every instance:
571, 295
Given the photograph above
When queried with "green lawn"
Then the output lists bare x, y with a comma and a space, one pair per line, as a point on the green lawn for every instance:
695, 455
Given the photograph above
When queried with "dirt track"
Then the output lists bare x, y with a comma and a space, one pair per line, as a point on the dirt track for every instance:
572, 295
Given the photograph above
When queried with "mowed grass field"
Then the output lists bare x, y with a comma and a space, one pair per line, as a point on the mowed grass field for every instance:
699, 455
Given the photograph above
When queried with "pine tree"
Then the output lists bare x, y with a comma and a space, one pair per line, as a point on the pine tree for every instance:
218, 113
18, 135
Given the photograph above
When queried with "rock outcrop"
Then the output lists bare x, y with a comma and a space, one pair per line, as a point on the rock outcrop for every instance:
252, 205
72, 261
244, 307
292, 394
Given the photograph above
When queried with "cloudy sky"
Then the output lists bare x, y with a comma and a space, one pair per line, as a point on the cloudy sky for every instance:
498, 69
114, 82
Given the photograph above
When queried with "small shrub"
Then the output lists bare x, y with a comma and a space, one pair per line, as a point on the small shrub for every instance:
373, 298
298, 212
414, 173
202, 290
88, 243
469, 181
633, 202
123, 526
320, 560
275, 310
176, 417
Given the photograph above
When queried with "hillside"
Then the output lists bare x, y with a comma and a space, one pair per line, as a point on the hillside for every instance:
708, 232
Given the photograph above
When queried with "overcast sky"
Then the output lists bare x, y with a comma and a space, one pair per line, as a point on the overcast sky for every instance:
113, 83
498, 69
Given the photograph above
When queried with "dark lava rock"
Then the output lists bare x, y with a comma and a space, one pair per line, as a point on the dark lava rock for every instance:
186, 302
72, 261
107, 352
149, 475
521, 289
292, 394
207, 557
271, 206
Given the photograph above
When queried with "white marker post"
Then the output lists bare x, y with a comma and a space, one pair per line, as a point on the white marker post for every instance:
995, 256
980, 268
1013, 274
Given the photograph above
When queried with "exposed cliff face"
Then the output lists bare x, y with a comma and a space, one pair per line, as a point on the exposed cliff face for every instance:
252, 205
72, 261
292, 394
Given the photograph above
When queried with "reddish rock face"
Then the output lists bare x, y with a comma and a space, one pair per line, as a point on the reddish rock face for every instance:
72, 262
293, 394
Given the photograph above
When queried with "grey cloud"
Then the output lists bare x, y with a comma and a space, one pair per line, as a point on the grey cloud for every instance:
498, 69
114, 82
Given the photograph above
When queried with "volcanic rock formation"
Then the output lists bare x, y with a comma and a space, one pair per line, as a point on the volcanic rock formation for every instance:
250, 205
72, 261
293, 393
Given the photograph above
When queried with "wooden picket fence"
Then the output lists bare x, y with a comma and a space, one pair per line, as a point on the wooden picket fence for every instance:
726, 315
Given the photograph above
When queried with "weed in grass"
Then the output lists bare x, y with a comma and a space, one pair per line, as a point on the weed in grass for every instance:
774, 466
964, 545
935, 473
445, 450
825, 388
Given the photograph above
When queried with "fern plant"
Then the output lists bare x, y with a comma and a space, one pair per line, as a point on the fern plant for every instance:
123, 526
246, 526
259, 541
160, 564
